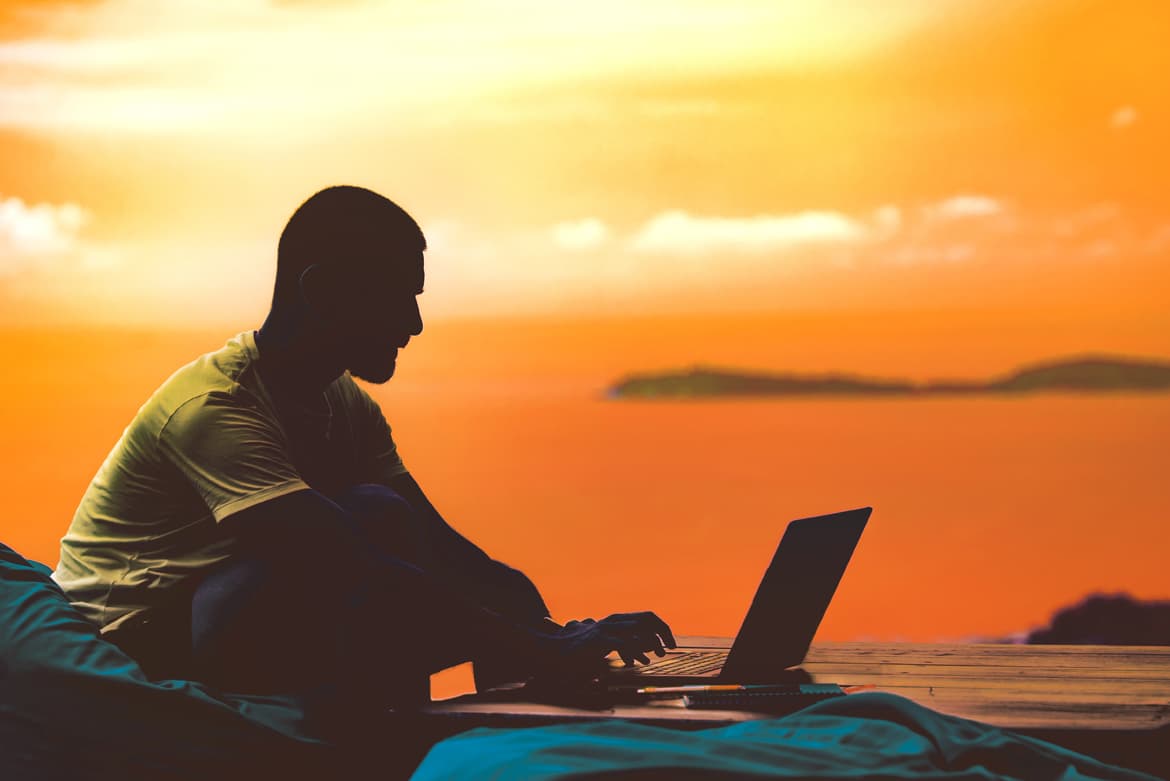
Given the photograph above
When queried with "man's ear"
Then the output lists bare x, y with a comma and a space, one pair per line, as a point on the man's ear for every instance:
314, 286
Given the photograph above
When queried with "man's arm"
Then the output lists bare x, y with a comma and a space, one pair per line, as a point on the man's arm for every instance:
311, 528
496, 587
307, 528
504, 589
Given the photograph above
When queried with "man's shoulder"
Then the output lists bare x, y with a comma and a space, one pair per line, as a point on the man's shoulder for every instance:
216, 379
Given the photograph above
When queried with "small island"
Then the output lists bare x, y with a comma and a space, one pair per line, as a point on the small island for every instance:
1086, 374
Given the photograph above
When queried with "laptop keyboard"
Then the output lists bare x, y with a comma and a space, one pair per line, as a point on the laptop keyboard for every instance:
684, 663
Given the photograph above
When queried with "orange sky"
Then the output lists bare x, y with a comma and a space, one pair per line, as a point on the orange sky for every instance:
717, 157
922, 188
989, 513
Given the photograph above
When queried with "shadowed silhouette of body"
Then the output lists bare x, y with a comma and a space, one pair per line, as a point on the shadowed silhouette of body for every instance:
340, 576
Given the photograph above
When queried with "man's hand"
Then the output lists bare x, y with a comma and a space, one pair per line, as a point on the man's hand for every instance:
586, 643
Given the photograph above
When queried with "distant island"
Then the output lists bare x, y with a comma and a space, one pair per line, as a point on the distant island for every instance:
1086, 374
1108, 619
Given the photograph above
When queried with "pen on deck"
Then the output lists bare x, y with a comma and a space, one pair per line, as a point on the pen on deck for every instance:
688, 689
738, 687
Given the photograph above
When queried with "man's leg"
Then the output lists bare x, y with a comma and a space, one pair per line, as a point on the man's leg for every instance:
261, 623
388, 518
275, 621
159, 640
415, 635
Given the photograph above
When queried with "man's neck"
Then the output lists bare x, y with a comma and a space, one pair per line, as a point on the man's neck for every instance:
294, 363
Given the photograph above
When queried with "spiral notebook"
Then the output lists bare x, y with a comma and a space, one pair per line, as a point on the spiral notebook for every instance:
774, 700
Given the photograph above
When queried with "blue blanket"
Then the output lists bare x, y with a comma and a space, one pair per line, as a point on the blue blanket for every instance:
73, 705
872, 735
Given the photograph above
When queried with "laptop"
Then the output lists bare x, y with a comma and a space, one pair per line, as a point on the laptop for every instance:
779, 626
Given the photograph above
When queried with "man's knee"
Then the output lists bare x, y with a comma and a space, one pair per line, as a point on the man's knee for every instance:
365, 498
384, 517
248, 617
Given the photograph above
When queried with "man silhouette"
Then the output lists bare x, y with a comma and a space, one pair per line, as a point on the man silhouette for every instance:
255, 527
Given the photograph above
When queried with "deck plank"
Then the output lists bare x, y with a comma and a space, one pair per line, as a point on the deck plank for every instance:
1108, 701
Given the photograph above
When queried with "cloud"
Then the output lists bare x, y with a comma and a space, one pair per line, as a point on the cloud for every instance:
675, 258
887, 220
964, 206
915, 253
679, 232
29, 233
588, 233
45, 255
1123, 117
360, 63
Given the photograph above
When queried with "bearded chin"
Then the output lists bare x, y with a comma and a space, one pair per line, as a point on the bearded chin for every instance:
374, 374
371, 372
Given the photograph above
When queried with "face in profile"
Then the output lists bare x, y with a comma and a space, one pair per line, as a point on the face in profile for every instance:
375, 312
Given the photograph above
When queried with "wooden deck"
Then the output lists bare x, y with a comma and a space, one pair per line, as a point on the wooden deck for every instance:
1106, 701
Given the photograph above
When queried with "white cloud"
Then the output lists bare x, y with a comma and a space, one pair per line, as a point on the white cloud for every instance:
45, 255
679, 232
581, 234
31, 233
964, 206
474, 270
1123, 117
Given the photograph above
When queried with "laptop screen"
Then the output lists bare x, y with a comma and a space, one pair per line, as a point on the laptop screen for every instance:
794, 594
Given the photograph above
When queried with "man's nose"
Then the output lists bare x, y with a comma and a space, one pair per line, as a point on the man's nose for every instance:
416, 325
410, 319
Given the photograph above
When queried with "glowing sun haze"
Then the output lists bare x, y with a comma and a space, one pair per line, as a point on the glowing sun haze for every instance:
588, 157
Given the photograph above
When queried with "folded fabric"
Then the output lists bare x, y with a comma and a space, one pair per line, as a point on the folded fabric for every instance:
74, 705
867, 735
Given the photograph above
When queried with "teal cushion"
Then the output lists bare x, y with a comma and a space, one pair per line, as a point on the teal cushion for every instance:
869, 735
70, 699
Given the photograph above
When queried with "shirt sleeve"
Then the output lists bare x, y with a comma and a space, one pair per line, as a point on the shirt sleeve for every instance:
378, 458
233, 454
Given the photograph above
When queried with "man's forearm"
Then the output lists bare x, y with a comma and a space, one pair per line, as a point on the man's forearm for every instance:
492, 629
509, 591
434, 615
502, 588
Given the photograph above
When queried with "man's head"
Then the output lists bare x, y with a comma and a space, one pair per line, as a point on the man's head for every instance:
349, 265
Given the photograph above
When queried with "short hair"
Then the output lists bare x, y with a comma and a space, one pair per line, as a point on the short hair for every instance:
342, 224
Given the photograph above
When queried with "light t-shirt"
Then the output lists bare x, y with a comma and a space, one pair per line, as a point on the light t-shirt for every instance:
208, 443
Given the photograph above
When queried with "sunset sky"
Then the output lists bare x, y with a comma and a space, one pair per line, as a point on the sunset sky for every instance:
903, 188
599, 157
